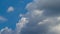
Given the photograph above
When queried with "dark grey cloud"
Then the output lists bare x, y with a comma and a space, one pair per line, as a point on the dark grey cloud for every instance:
51, 7
50, 4
51, 12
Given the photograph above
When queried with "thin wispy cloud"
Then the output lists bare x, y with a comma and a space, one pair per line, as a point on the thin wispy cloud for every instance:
3, 19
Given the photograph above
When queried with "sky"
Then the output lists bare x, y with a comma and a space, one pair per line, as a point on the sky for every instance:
29, 16
10, 10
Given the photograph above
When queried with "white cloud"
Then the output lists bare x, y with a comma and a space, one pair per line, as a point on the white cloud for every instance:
55, 29
37, 13
10, 9
6, 30
18, 29
58, 18
48, 20
2, 19
44, 21
21, 15
21, 24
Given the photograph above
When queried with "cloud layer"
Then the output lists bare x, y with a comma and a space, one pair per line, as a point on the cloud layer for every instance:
43, 17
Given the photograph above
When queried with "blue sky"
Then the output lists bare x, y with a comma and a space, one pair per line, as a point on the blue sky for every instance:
13, 17
29, 16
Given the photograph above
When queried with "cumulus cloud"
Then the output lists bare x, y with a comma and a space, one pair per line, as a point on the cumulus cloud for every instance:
6, 30
21, 24
40, 23
10, 9
43, 17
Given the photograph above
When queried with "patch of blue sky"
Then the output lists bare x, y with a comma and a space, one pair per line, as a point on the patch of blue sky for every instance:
13, 17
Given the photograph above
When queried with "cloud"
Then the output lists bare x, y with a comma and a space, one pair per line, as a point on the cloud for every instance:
43, 17
55, 29
45, 4
19, 26
2, 19
10, 9
6, 30
40, 23
51, 7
